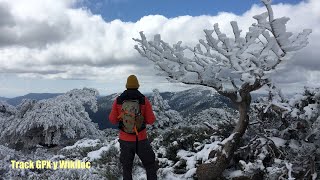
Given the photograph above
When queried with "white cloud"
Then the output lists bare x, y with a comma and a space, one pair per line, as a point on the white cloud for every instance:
53, 39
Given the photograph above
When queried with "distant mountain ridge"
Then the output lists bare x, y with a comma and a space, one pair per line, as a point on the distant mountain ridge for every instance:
195, 100
187, 102
36, 96
3, 98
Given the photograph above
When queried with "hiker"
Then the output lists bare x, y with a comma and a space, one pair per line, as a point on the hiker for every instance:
132, 110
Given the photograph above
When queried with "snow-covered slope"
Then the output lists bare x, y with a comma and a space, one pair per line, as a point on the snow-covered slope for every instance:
195, 100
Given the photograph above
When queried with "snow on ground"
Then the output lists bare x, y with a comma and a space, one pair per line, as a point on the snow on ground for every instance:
278, 141
168, 174
233, 174
192, 158
139, 174
83, 143
93, 155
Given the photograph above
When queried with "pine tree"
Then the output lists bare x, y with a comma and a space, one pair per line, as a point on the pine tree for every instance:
165, 117
50, 121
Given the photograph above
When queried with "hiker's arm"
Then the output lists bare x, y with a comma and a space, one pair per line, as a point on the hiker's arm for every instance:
113, 116
149, 116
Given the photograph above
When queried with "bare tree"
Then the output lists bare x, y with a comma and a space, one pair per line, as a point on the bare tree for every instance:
234, 67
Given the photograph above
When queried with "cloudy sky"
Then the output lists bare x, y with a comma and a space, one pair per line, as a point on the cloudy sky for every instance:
55, 46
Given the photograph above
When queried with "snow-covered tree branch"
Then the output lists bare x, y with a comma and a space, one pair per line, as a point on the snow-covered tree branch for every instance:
233, 66
228, 64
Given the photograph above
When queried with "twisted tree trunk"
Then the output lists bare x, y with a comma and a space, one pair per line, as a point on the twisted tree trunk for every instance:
215, 169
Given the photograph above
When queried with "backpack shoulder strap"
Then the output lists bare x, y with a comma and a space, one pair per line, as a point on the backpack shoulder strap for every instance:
131, 95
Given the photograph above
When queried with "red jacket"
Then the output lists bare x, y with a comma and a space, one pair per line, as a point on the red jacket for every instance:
146, 111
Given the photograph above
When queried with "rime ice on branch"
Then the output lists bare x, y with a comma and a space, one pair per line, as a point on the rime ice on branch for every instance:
233, 66
227, 63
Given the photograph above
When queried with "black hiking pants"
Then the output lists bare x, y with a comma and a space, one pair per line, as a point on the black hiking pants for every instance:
127, 152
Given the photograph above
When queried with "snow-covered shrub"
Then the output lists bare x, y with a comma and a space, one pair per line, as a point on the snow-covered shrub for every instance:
169, 144
7, 111
255, 158
7, 154
273, 158
105, 160
299, 115
222, 121
68, 174
110, 134
81, 148
165, 117
186, 138
109, 163
7, 114
292, 124
306, 108
52, 121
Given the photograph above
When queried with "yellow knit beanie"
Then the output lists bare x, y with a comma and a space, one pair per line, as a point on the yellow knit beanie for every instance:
132, 82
